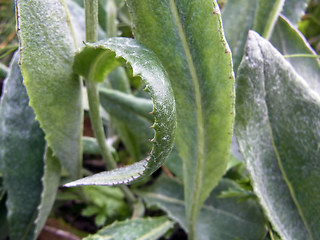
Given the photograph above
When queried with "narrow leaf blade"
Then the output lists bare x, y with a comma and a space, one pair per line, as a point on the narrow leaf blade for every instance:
145, 64
277, 125
22, 148
188, 38
47, 52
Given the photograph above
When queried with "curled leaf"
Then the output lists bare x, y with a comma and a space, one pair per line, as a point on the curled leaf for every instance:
95, 61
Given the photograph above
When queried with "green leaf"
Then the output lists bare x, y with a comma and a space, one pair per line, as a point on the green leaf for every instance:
118, 80
277, 124
77, 18
4, 227
294, 10
106, 201
47, 52
120, 104
3, 70
22, 148
218, 219
50, 182
266, 16
238, 17
145, 64
188, 38
90, 146
174, 163
288, 40
139, 229
131, 115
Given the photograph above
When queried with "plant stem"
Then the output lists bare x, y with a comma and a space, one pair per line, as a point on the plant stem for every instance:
273, 18
111, 19
93, 99
91, 14
192, 228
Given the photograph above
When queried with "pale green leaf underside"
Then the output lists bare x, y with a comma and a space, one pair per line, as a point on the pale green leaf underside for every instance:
22, 148
277, 124
46, 58
216, 215
138, 229
145, 64
188, 38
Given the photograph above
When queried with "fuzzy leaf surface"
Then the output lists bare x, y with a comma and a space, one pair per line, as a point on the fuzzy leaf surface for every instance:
145, 64
216, 215
139, 229
46, 59
188, 38
288, 40
277, 126
22, 147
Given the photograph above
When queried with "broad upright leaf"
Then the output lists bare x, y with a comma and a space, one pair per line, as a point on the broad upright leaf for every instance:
46, 58
188, 38
216, 216
139, 229
94, 62
294, 10
238, 17
22, 148
277, 125
288, 40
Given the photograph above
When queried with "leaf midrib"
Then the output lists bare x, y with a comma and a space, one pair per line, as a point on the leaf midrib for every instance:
285, 177
199, 111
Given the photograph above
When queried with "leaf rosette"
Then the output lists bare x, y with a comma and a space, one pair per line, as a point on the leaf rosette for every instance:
94, 62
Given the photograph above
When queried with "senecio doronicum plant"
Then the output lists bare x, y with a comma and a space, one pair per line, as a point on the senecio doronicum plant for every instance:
89, 56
